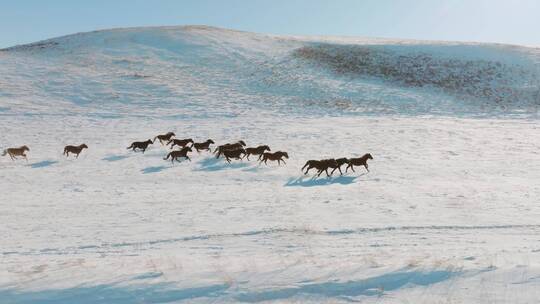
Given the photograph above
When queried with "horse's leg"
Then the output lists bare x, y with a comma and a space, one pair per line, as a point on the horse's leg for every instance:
283, 161
326, 170
77, 155
227, 158
365, 165
24, 155
332, 173
352, 168
320, 172
11, 156
247, 156
339, 168
188, 158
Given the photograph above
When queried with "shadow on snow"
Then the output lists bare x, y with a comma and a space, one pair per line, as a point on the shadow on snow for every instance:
43, 164
305, 181
368, 287
113, 158
216, 164
110, 293
154, 169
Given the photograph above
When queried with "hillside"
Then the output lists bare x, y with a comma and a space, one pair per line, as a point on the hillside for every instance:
203, 68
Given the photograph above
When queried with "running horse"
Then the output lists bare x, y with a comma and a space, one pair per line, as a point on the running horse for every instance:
14, 152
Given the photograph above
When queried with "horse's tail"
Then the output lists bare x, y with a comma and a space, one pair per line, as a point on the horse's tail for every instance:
4, 153
154, 139
168, 155
65, 151
130, 147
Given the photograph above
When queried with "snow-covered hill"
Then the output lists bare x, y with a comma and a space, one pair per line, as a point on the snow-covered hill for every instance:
448, 214
175, 67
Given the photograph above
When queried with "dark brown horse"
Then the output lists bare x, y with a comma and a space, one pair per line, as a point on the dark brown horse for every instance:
361, 161
203, 146
320, 165
276, 156
180, 142
164, 137
257, 151
174, 155
340, 162
74, 150
14, 152
141, 145
234, 154
237, 145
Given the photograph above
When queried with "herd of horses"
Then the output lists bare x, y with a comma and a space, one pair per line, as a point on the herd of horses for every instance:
229, 151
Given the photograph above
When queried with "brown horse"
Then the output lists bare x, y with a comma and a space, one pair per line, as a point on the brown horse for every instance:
320, 165
142, 145
14, 152
361, 161
203, 145
340, 162
180, 142
75, 150
257, 151
164, 137
237, 145
234, 154
174, 155
276, 156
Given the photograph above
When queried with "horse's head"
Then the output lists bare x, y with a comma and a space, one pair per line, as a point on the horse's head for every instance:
149, 141
84, 146
285, 154
25, 148
210, 141
171, 134
190, 140
266, 148
368, 156
188, 149
242, 143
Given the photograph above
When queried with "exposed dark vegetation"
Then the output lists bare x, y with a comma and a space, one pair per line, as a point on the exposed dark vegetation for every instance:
477, 78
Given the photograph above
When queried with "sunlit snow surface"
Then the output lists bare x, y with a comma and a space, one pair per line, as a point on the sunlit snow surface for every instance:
448, 214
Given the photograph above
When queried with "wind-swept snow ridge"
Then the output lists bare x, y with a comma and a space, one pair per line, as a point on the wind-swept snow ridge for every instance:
222, 71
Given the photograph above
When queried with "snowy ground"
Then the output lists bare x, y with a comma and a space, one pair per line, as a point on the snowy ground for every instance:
448, 214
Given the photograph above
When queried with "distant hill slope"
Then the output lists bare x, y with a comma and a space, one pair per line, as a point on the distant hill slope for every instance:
199, 70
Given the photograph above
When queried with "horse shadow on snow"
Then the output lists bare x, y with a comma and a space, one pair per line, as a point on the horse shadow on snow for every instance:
43, 164
217, 164
305, 181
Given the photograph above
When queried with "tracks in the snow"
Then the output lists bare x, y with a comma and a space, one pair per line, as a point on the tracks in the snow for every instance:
107, 247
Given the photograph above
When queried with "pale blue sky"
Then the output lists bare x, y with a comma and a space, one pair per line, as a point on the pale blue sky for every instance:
505, 21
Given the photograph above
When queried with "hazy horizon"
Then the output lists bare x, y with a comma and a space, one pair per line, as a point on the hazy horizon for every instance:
455, 20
